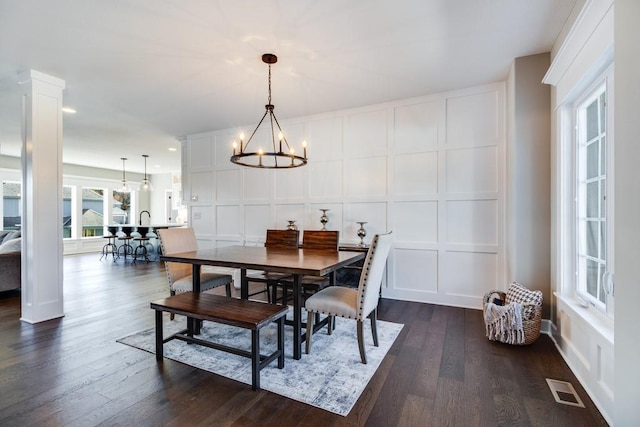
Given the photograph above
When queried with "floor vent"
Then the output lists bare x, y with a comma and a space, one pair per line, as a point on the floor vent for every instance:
564, 393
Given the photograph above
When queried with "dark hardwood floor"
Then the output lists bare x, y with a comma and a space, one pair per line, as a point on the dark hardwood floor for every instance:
440, 371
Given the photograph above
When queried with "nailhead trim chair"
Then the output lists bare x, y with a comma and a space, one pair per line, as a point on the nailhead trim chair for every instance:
354, 303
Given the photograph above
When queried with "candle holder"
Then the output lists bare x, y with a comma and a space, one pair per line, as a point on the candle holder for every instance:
292, 225
324, 219
361, 233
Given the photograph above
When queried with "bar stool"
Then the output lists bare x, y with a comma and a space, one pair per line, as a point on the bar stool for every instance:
110, 247
141, 249
126, 247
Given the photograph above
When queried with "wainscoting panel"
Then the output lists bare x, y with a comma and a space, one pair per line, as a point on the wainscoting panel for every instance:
325, 139
407, 263
416, 126
430, 168
202, 220
289, 184
256, 221
472, 170
229, 185
415, 174
415, 222
257, 184
367, 177
472, 222
201, 152
366, 133
202, 187
325, 180
468, 273
475, 119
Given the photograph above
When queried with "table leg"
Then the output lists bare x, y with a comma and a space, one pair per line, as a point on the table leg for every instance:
297, 317
159, 351
255, 359
195, 278
244, 284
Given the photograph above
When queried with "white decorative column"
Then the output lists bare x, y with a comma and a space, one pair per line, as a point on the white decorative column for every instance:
42, 269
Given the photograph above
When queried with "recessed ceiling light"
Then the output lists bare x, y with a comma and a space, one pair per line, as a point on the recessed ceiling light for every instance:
156, 166
173, 149
69, 110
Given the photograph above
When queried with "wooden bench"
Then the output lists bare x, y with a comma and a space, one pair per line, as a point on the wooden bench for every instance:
230, 311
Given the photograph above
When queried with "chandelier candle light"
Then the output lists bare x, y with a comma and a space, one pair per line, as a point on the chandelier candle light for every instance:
277, 158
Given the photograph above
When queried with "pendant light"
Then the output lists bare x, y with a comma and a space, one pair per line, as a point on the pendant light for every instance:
274, 158
125, 187
145, 185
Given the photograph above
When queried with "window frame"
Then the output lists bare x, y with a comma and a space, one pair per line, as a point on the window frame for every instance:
603, 84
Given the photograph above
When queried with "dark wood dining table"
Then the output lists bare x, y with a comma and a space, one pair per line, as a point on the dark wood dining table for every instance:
297, 262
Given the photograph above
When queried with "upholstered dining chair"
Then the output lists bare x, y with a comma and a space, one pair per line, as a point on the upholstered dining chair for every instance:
326, 240
179, 275
275, 239
350, 303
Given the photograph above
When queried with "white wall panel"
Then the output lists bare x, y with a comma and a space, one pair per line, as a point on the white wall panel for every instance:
367, 177
416, 126
472, 222
325, 179
415, 221
472, 170
202, 220
289, 184
201, 187
228, 220
201, 151
256, 222
468, 273
415, 174
228, 185
473, 119
408, 262
325, 139
366, 133
257, 184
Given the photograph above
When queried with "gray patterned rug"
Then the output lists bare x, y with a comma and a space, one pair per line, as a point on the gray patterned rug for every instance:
331, 377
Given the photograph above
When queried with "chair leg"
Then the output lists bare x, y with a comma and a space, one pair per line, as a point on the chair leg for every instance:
374, 330
228, 289
172, 315
363, 356
309, 331
331, 321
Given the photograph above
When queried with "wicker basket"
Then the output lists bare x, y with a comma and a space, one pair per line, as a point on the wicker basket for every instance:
531, 317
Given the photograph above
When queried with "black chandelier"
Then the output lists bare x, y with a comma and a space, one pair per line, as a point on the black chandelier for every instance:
277, 158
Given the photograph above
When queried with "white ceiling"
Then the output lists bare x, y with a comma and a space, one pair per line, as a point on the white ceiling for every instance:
142, 73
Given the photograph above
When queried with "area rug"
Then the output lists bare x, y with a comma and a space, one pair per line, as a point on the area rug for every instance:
331, 377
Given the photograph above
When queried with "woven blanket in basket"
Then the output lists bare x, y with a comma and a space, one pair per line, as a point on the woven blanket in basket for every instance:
504, 323
513, 317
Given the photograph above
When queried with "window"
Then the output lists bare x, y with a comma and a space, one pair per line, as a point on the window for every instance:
593, 198
92, 212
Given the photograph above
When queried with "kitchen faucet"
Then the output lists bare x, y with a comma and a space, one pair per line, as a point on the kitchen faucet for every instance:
140, 221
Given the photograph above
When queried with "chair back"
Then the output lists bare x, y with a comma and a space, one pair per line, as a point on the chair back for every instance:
282, 239
371, 277
320, 239
176, 240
